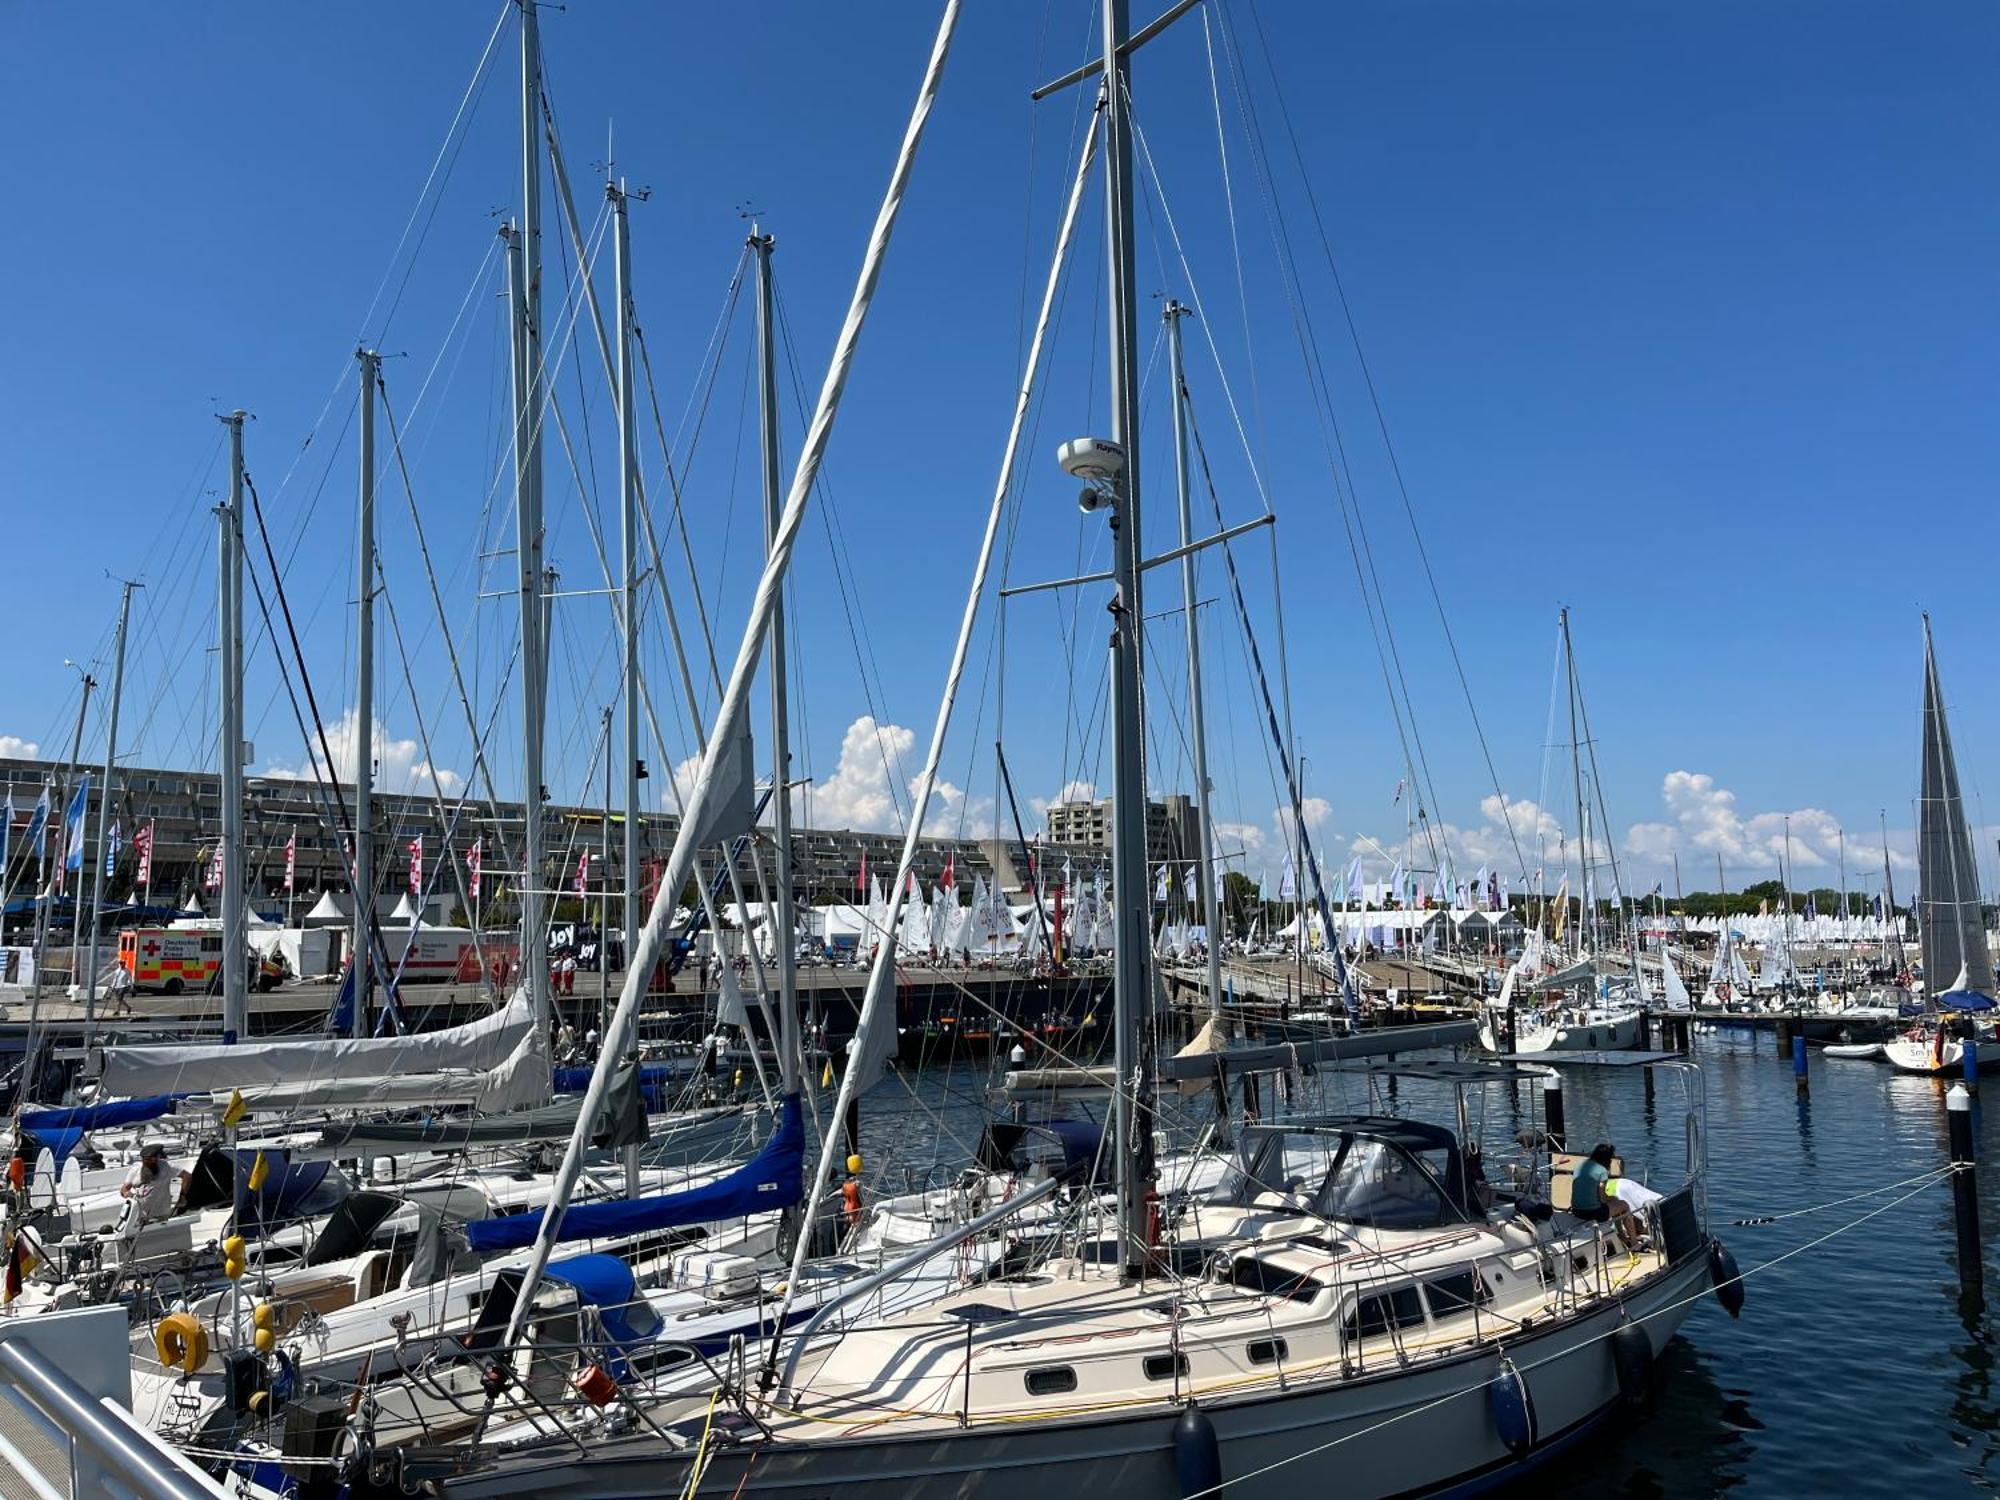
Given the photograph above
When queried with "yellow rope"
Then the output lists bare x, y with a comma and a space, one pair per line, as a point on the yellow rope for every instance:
701, 1448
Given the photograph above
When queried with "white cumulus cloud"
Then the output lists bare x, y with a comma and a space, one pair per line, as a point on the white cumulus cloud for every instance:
399, 764
14, 747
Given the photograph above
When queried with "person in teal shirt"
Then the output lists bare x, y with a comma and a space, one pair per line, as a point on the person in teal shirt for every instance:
1587, 1196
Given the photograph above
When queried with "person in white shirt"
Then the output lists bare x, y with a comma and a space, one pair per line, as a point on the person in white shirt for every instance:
151, 1184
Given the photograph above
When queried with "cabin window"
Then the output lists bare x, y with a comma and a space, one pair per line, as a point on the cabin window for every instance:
1459, 1292
1379, 1312
1051, 1380
1268, 1351
1166, 1366
1255, 1276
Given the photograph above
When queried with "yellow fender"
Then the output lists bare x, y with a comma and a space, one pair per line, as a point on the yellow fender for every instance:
181, 1342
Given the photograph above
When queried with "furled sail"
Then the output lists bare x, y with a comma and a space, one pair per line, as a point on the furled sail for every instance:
476, 1047
1950, 927
773, 1178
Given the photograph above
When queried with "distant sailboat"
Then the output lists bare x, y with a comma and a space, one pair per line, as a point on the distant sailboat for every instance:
1950, 926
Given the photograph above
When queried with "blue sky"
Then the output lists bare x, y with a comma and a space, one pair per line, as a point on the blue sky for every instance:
1681, 316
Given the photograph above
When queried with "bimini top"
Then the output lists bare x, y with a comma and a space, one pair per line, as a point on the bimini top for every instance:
1370, 1170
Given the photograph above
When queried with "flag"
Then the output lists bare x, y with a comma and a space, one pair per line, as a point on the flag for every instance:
472, 865
233, 1114
291, 861
1288, 882
861, 879
1396, 884
1494, 900
73, 825
417, 865
1192, 883
142, 850
950, 881
19, 1264
1160, 884
213, 881
6, 833
111, 843
38, 821
583, 872
1401, 782
1878, 908
1354, 894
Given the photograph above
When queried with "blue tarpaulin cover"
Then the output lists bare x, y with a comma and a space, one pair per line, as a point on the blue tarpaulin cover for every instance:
606, 1283
773, 1178
286, 1186
1964, 1000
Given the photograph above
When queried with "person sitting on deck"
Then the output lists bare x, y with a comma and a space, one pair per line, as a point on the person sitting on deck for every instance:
1587, 1198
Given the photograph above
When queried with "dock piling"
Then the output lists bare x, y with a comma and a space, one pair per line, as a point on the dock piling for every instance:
1969, 1060
1965, 1196
1552, 1109
1800, 1078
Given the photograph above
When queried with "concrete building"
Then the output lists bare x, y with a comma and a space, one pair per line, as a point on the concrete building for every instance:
1173, 829
184, 809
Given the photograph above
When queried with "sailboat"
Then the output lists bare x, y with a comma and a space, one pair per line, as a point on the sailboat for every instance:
1593, 1002
1361, 1294
1950, 926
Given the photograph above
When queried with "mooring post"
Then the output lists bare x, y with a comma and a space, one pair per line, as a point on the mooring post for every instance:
1784, 1032
1552, 1109
1969, 1058
1965, 1195
1800, 1079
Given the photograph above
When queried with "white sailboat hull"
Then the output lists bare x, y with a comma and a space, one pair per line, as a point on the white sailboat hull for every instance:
1924, 1055
1292, 1440
1597, 1032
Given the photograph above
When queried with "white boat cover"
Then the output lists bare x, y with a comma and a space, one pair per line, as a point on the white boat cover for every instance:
140, 1070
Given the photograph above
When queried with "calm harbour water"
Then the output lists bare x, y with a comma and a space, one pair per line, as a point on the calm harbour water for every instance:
1851, 1370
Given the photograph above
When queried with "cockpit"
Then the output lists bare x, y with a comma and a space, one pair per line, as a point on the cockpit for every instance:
1376, 1172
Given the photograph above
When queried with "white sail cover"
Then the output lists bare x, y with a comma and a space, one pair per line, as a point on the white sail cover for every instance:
132, 1072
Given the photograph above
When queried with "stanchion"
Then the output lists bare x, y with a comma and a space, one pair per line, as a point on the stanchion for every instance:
1800, 1078
1965, 1197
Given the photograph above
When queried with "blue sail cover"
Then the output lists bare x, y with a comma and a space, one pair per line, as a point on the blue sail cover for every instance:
39, 1122
773, 1178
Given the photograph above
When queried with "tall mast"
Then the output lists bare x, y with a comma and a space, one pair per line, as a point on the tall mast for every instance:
628, 615
97, 874
1889, 891
1197, 722
235, 976
1133, 984
1576, 778
528, 558
58, 805
526, 285
782, 932
363, 964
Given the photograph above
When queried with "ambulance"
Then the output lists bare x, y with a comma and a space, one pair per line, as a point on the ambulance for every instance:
170, 959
